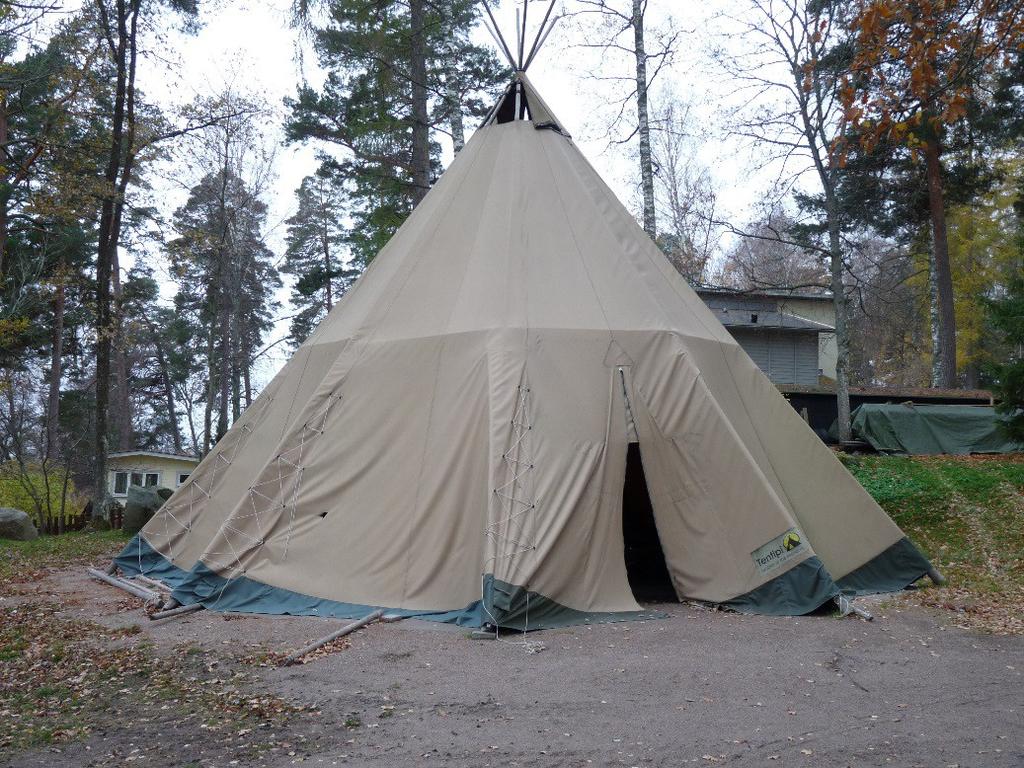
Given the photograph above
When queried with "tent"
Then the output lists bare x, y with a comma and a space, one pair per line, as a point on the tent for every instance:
451, 442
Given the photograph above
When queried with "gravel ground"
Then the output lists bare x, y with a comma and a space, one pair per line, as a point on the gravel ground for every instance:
698, 687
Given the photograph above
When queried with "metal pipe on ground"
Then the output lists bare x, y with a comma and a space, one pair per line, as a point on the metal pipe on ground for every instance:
181, 610
861, 612
151, 582
346, 630
127, 586
847, 606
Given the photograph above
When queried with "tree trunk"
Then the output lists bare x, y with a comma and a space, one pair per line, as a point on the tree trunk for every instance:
104, 257
123, 422
56, 359
117, 176
65, 482
188, 406
3, 228
458, 128
643, 120
933, 323
842, 326
247, 378
210, 389
4, 193
236, 373
420, 118
810, 107
165, 380
325, 242
224, 379
945, 315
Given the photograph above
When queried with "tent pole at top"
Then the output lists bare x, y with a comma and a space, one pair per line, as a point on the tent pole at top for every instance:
522, 34
538, 41
497, 32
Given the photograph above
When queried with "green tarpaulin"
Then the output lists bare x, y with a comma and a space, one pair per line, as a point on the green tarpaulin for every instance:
931, 429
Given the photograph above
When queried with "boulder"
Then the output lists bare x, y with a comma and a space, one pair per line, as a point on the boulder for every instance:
101, 520
17, 525
140, 506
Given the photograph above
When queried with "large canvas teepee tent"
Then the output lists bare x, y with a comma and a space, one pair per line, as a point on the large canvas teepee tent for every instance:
451, 442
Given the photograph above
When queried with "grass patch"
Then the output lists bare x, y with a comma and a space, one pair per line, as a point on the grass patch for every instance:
967, 514
26, 560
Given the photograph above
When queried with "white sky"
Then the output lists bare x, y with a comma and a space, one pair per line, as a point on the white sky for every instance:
252, 42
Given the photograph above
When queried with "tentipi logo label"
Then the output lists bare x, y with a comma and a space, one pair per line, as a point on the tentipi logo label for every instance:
779, 550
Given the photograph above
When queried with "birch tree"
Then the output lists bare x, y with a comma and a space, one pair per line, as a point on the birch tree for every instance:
620, 27
684, 192
790, 75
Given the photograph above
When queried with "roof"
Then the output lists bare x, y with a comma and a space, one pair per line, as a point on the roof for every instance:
153, 454
767, 320
915, 393
775, 293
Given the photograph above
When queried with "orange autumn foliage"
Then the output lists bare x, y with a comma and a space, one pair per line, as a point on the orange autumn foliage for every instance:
918, 64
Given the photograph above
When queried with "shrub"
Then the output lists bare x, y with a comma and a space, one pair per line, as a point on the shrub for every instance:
26, 489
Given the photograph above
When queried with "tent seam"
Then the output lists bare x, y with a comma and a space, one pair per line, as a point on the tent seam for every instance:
430, 412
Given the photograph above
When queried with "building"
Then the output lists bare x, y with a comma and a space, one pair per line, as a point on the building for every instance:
790, 335
147, 468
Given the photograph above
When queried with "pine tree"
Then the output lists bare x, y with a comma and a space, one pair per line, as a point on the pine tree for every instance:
226, 286
316, 253
1007, 314
52, 118
388, 63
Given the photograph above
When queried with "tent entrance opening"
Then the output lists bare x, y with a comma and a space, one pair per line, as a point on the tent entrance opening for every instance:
645, 561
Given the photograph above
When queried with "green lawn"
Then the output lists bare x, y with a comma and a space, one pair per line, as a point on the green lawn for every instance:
967, 514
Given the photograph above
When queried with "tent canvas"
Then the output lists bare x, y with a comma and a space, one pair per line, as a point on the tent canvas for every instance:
451, 441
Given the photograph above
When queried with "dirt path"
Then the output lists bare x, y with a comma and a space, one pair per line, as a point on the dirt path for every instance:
696, 688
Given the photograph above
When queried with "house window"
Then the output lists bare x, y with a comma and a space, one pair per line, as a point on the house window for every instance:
122, 480
182, 477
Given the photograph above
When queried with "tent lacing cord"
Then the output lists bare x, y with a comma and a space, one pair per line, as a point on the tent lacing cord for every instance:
277, 489
519, 465
194, 489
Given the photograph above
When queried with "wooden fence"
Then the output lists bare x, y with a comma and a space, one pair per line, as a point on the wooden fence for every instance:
78, 522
